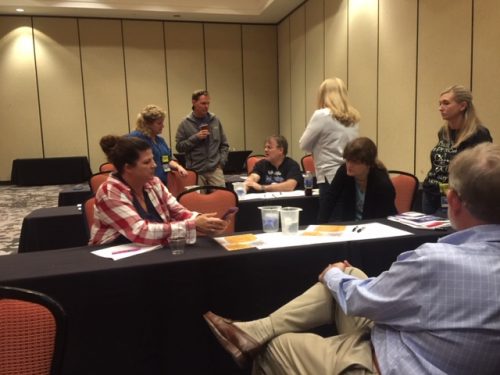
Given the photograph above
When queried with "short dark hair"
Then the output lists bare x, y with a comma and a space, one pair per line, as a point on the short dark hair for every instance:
196, 95
281, 142
122, 150
362, 150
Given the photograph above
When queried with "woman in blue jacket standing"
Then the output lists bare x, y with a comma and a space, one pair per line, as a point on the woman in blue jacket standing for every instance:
149, 125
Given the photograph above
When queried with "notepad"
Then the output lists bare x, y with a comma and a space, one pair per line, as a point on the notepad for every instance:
239, 241
124, 251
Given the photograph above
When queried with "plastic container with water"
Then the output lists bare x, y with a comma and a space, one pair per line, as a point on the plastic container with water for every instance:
270, 218
290, 219
240, 189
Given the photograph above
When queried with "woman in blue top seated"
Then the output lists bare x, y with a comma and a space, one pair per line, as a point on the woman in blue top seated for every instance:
361, 188
149, 125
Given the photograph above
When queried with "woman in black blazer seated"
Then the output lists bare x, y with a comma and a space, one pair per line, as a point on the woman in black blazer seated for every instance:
361, 188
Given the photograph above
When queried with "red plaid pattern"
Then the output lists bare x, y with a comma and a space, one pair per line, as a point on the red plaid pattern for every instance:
115, 214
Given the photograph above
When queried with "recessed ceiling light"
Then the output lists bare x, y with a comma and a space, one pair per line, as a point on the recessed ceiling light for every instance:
20, 10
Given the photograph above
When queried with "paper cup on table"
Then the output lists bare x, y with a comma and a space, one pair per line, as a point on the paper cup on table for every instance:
270, 218
290, 219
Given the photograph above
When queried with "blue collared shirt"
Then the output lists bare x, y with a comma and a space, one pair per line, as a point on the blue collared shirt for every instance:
437, 309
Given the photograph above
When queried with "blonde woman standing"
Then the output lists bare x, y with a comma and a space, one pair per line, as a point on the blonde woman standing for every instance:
462, 129
331, 127
149, 125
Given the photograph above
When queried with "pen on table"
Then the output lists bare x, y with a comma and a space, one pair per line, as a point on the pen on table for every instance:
360, 229
354, 229
126, 250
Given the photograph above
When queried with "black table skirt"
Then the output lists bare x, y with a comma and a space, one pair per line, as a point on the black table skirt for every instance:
52, 228
74, 195
143, 315
249, 216
50, 171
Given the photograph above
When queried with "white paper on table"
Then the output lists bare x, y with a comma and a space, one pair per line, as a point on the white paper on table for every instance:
271, 195
124, 251
368, 231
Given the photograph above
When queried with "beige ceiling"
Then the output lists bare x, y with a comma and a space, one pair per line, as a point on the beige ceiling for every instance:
241, 11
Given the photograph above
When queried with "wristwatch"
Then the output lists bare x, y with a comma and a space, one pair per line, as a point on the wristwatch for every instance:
262, 187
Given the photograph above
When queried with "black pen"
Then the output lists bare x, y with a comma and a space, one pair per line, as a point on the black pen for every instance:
360, 229
354, 229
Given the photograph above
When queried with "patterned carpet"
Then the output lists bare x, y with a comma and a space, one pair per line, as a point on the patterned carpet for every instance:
15, 203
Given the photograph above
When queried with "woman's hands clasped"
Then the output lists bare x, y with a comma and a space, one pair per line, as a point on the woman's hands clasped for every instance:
209, 224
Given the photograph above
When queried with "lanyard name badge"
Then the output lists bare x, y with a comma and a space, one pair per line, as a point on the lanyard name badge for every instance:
165, 159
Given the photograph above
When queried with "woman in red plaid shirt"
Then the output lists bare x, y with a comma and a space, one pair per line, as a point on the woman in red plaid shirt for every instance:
135, 206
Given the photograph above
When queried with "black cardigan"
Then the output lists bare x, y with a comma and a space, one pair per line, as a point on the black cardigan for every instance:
379, 196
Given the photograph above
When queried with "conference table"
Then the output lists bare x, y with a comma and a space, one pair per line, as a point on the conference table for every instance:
59, 227
249, 216
143, 314
74, 195
53, 228
50, 171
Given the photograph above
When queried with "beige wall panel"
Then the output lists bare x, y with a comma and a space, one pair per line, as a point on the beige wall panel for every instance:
260, 77
284, 79
298, 81
185, 68
60, 86
444, 58
336, 39
486, 81
362, 67
397, 83
315, 52
104, 82
19, 116
225, 79
145, 68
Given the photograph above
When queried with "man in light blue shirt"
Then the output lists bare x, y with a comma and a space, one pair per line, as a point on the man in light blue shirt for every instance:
435, 311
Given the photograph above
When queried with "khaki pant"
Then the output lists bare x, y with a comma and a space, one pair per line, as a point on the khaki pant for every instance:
215, 178
304, 353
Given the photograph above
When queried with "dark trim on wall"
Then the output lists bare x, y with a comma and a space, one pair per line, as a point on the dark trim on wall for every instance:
347, 44
125, 75
172, 147
83, 87
416, 93
278, 77
37, 82
243, 90
472, 46
291, 12
324, 41
377, 96
154, 19
204, 56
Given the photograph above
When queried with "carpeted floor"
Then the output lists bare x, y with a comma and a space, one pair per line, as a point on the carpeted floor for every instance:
17, 202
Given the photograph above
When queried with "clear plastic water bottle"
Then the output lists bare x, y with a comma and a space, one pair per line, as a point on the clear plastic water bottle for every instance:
308, 183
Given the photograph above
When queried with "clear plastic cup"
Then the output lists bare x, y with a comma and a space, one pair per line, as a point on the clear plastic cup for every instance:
290, 220
177, 245
270, 218
239, 189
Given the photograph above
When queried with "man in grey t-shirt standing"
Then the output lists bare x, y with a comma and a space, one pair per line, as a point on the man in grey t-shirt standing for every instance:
201, 138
